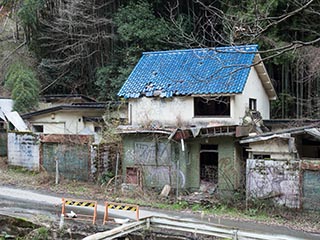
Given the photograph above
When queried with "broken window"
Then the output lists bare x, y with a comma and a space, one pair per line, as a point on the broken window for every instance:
252, 104
38, 128
219, 106
209, 163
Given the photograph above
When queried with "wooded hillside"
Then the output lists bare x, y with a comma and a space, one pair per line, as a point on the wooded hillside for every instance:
90, 47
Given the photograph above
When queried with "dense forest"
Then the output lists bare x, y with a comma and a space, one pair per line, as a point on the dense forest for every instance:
90, 47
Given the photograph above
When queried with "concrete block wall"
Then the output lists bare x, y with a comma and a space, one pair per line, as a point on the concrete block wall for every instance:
23, 150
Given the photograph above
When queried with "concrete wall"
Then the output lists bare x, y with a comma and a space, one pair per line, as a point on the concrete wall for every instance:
23, 150
274, 180
180, 110
160, 163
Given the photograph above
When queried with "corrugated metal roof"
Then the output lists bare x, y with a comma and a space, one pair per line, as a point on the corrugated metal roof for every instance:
222, 70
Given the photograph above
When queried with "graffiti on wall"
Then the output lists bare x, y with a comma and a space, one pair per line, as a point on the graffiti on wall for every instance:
23, 150
152, 153
156, 164
276, 180
160, 176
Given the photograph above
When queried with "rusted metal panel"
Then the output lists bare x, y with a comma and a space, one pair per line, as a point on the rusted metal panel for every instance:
311, 190
67, 138
310, 165
72, 154
242, 131
73, 160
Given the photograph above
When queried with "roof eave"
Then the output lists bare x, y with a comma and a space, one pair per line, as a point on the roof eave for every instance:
59, 108
265, 79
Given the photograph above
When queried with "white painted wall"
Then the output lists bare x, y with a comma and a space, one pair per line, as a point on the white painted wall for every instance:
253, 89
277, 148
62, 123
23, 150
179, 111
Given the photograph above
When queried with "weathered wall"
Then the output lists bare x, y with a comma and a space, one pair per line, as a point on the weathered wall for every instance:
3, 143
64, 122
278, 148
310, 184
228, 169
142, 151
71, 152
253, 89
164, 111
23, 150
104, 160
154, 157
276, 180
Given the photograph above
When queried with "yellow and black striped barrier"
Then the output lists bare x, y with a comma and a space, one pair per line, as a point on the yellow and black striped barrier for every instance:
79, 203
120, 207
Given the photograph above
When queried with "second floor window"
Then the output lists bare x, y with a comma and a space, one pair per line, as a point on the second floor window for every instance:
218, 106
253, 104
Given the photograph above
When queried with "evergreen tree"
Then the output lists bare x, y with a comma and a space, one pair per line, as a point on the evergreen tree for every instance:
24, 87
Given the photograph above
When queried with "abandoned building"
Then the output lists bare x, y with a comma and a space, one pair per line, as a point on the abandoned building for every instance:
65, 133
284, 166
184, 110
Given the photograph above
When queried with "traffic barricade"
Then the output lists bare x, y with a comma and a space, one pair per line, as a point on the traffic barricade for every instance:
81, 205
120, 207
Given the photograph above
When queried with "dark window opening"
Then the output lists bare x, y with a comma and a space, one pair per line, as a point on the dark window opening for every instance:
220, 106
209, 163
2, 125
97, 129
38, 128
252, 104
261, 156
308, 147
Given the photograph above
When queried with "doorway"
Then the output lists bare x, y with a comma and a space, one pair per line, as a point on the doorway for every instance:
209, 164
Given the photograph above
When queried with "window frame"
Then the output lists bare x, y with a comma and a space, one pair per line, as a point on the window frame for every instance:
253, 104
213, 111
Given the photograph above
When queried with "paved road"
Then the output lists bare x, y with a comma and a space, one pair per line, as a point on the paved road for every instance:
19, 202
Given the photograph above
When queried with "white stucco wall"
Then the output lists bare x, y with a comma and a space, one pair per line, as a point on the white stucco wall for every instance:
180, 110
174, 111
277, 148
63, 123
253, 89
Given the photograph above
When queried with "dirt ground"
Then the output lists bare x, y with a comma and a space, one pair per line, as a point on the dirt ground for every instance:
294, 219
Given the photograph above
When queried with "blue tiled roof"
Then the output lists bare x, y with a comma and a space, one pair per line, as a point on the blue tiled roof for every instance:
222, 70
